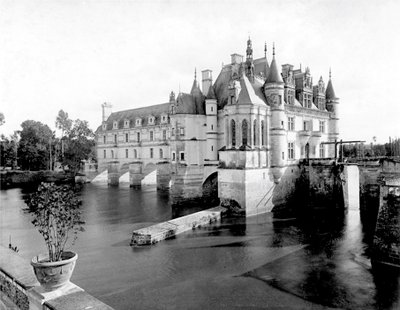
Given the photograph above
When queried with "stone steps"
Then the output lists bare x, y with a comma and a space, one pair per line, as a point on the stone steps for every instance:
169, 229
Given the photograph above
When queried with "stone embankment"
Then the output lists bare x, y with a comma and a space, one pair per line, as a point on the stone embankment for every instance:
18, 283
169, 229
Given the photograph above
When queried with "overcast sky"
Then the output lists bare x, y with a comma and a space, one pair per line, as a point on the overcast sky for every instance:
75, 55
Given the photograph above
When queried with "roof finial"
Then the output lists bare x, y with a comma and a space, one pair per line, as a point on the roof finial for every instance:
330, 73
195, 74
273, 49
265, 49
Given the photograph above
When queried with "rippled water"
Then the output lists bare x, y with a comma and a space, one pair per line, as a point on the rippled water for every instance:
317, 260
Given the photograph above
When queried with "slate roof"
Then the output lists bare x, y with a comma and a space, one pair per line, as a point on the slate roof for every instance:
330, 93
133, 114
261, 67
274, 76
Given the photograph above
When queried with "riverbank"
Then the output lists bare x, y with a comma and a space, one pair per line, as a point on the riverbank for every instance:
18, 178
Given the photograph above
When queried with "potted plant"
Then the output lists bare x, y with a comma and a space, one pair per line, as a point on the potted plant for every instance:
56, 214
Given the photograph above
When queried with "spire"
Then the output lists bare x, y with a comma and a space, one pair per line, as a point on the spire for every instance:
330, 93
273, 76
195, 85
265, 50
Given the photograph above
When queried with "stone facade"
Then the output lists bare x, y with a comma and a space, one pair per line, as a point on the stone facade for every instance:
252, 124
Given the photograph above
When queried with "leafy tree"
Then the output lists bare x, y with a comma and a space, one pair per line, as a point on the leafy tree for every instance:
35, 146
64, 123
80, 145
8, 150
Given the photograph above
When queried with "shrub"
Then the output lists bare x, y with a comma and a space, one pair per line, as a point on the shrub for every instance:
56, 213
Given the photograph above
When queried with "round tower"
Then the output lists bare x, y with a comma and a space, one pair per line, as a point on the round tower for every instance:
332, 105
211, 131
274, 93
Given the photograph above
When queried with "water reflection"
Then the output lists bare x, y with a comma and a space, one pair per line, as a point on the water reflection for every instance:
319, 256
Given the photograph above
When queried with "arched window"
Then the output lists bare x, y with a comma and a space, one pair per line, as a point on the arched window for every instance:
135, 153
255, 132
112, 154
244, 132
233, 132
262, 133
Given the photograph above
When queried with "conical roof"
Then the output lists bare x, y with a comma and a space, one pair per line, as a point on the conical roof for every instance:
330, 93
273, 75
211, 93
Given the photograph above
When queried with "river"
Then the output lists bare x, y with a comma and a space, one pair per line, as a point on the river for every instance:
317, 261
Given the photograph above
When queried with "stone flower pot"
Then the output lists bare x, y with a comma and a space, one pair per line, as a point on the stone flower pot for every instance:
53, 275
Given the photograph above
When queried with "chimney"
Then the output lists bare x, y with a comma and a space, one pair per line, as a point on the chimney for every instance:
206, 81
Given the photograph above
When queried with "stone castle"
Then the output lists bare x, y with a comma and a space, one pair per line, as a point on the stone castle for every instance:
239, 137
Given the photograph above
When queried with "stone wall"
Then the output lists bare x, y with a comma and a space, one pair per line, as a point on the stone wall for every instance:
386, 247
19, 283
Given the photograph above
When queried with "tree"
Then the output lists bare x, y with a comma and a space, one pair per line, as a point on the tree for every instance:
64, 123
35, 145
8, 151
2, 120
80, 145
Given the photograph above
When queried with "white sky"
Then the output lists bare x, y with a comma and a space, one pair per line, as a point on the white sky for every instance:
75, 55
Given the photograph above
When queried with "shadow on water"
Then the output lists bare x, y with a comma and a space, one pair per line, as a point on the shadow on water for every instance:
326, 271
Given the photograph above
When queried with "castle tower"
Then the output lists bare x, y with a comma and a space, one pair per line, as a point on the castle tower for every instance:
249, 67
332, 105
274, 92
211, 132
197, 95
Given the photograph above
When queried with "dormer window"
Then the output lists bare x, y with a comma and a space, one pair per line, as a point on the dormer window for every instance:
115, 125
104, 126
126, 123
151, 120
138, 122
164, 118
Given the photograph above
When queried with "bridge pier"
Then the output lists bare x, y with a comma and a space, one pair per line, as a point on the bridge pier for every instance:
136, 175
163, 176
186, 183
113, 173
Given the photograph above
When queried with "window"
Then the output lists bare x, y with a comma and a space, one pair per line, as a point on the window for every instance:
112, 154
151, 135
291, 123
291, 150
126, 153
126, 137
164, 134
104, 126
262, 133
126, 124
138, 136
282, 124
306, 125
105, 153
138, 122
115, 138
244, 132
321, 126
321, 151
233, 133
135, 153
182, 156
283, 155
212, 109
173, 156
151, 120
302, 150
161, 153
104, 139
182, 131
255, 132
115, 125
173, 132
163, 118
151, 152
212, 148
212, 127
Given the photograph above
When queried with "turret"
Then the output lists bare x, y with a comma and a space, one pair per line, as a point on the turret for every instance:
288, 78
212, 130
332, 105
197, 95
274, 93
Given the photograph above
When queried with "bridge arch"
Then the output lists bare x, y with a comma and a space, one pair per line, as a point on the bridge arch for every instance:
210, 189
